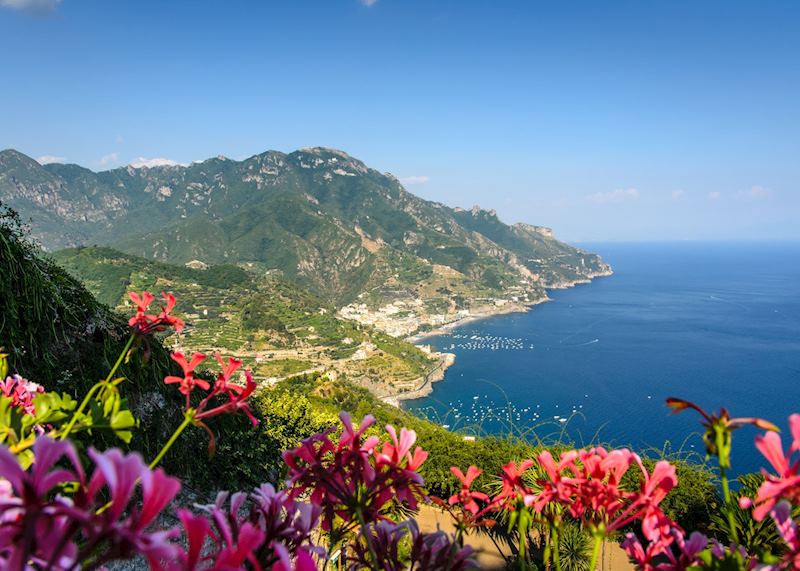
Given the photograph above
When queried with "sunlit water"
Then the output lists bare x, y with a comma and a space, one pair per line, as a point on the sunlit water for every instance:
715, 323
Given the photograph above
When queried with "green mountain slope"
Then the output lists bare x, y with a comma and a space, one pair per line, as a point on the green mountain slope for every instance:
276, 328
321, 217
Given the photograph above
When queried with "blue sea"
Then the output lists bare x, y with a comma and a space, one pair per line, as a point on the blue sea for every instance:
715, 323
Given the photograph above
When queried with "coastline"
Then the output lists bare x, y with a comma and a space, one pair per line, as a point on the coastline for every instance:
447, 360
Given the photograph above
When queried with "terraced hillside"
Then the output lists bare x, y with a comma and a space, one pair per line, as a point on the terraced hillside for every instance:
278, 329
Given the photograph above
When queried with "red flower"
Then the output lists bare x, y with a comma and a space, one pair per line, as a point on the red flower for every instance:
237, 395
513, 488
188, 381
467, 497
349, 479
145, 323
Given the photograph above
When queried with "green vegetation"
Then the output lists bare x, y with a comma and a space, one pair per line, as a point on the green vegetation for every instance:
256, 314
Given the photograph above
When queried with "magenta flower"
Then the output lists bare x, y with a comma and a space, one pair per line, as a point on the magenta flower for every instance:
86, 528
266, 530
429, 552
666, 553
781, 514
350, 479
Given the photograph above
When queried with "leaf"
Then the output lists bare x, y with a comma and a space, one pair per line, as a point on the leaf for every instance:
121, 423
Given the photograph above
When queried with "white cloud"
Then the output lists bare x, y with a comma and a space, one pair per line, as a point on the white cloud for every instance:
31, 5
755, 192
678, 194
108, 159
368, 3
419, 179
47, 159
142, 162
714, 195
618, 195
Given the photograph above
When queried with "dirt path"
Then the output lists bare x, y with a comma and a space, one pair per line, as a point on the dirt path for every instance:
431, 518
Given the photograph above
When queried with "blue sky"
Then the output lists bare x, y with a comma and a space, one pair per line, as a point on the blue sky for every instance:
604, 120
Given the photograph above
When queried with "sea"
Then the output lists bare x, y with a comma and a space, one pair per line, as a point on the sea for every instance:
715, 323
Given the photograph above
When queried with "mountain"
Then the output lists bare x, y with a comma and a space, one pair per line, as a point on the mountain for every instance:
325, 220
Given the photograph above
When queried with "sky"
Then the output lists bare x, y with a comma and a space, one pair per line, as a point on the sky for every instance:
656, 120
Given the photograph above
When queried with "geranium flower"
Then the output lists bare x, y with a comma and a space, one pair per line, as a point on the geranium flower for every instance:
349, 479
785, 482
21, 391
188, 382
144, 323
513, 488
717, 436
781, 514
266, 529
429, 552
467, 497
85, 529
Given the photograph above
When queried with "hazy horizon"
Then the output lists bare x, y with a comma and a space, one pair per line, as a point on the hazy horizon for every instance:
625, 122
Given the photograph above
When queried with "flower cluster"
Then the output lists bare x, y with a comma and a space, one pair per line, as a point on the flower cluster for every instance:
43, 527
429, 551
21, 392
353, 479
272, 532
144, 323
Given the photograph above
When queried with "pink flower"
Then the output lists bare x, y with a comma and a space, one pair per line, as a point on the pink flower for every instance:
785, 483
270, 532
188, 382
781, 514
431, 552
21, 391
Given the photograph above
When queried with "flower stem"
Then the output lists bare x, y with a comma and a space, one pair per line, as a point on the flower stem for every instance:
598, 542
522, 530
556, 549
726, 490
188, 417
85, 402
367, 536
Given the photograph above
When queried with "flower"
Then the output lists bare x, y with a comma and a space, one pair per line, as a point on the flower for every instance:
83, 529
429, 552
21, 391
717, 436
188, 381
513, 488
785, 483
144, 323
781, 514
349, 479
686, 556
237, 396
467, 497
266, 528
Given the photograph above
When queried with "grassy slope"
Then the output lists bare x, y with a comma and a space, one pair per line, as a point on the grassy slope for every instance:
248, 313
